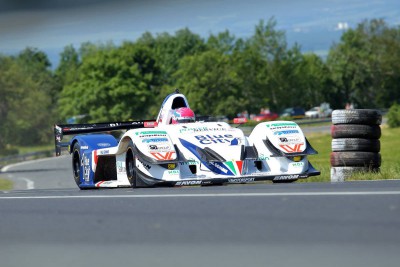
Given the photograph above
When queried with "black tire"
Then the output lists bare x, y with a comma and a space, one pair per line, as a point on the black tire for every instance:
76, 164
357, 116
130, 164
356, 159
356, 131
356, 144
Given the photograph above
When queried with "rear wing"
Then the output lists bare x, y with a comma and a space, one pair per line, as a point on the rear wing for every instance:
69, 129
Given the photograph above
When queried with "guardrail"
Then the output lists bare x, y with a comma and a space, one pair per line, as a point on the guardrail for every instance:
28, 156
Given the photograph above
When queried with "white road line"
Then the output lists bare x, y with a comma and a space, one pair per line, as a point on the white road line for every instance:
29, 183
210, 195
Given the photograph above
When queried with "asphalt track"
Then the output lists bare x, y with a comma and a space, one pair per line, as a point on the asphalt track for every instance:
300, 224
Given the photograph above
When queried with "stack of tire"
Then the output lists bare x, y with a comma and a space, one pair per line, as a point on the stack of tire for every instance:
355, 142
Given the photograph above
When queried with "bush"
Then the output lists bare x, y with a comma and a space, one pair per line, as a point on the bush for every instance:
394, 116
9, 151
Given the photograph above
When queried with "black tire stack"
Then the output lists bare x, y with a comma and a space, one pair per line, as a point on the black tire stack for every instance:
355, 142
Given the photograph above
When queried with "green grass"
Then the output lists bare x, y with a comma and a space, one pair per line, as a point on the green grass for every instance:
28, 149
5, 184
390, 152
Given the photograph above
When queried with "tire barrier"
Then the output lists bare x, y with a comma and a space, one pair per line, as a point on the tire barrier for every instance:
355, 142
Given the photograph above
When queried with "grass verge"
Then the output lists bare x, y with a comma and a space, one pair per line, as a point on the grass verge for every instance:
5, 184
390, 152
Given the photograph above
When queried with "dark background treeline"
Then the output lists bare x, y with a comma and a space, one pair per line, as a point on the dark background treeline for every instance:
220, 75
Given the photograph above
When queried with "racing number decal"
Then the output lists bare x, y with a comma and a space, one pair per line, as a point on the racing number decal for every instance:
292, 149
163, 156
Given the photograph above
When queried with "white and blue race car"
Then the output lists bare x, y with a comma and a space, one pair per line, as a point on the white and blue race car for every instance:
156, 153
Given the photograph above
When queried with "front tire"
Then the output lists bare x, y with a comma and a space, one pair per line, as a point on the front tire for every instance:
130, 164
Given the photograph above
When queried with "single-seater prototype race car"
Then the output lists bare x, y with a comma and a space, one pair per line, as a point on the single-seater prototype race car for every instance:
162, 153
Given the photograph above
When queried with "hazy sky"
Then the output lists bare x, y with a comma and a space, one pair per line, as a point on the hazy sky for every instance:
50, 25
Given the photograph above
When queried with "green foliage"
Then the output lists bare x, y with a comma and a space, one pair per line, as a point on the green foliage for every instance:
364, 66
394, 116
114, 84
210, 77
221, 75
28, 92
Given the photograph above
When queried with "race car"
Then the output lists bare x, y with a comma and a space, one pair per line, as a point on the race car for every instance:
177, 150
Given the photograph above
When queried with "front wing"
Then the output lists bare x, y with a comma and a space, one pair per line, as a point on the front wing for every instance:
144, 180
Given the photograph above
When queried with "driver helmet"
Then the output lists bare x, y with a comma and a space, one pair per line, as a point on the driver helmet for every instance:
182, 115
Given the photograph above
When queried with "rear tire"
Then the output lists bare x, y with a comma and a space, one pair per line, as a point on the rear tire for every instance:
130, 164
76, 164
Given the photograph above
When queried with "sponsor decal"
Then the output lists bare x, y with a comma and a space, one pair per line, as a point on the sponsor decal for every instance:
121, 167
200, 129
152, 135
84, 147
171, 166
286, 132
104, 144
280, 124
217, 139
145, 133
104, 152
188, 183
287, 177
161, 148
297, 164
289, 140
173, 172
292, 148
150, 124
219, 167
263, 157
163, 156
190, 162
155, 140
241, 180
86, 168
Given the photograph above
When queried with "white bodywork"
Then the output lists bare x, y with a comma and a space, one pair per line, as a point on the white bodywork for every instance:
179, 153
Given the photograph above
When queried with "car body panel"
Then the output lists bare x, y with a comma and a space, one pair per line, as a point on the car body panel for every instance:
198, 153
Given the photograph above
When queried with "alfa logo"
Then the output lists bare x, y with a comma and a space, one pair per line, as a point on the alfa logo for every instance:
163, 156
292, 148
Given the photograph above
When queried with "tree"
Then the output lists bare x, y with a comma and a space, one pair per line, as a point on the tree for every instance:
67, 70
114, 84
210, 83
364, 65
169, 49
27, 89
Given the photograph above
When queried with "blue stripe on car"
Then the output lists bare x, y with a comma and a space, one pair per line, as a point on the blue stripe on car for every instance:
216, 167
